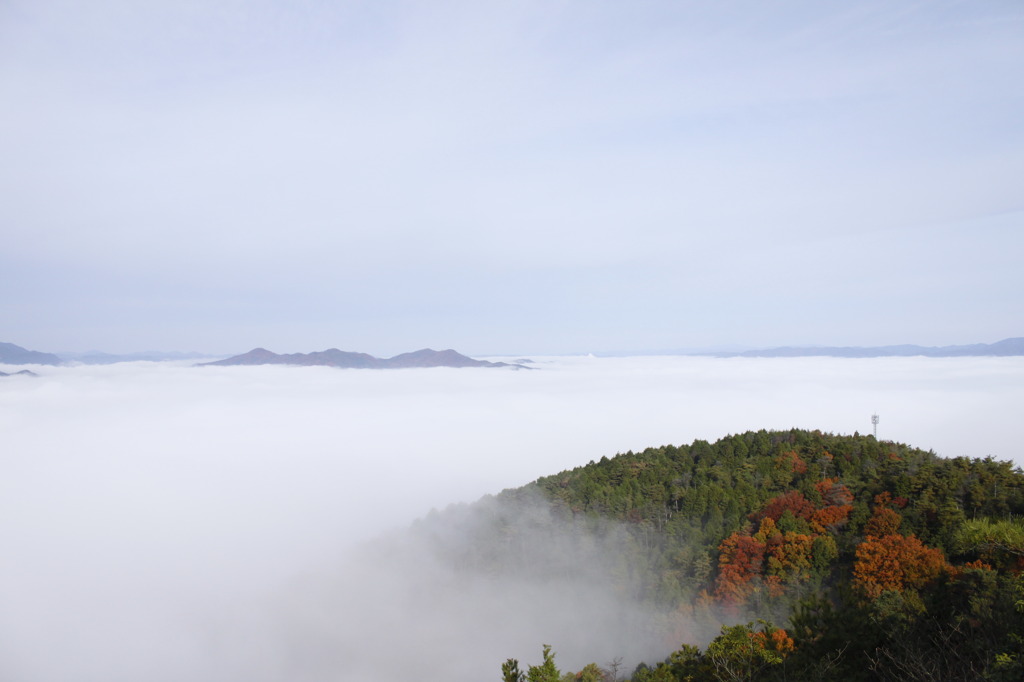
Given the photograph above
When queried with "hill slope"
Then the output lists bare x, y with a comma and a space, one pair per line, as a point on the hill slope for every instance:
11, 354
882, 561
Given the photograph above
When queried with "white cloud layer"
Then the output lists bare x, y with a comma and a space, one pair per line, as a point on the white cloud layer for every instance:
165, 522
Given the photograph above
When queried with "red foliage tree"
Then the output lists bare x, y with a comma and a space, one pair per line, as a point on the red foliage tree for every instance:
740, 563
793, 501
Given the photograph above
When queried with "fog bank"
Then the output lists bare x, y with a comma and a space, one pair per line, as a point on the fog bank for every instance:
166, 522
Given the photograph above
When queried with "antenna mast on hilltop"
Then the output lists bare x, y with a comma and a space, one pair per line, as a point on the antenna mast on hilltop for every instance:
874, 424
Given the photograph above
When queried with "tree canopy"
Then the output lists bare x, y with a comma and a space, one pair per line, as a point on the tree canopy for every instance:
885, 561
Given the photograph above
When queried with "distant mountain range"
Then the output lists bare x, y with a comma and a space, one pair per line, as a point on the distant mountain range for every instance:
16, 355
346, 359
11, 354
1006, 347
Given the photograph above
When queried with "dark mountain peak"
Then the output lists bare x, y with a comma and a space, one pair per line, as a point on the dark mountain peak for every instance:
1014, 346
257, 356
422, 352
11, 354
25, 372
427, 357
332, 357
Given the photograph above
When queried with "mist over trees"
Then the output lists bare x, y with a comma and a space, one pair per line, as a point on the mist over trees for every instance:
784, 555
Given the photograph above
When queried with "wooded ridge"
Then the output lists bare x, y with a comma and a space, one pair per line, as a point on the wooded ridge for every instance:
815, 556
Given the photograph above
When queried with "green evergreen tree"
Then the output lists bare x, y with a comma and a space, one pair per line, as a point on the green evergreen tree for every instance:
546, 671
510, 671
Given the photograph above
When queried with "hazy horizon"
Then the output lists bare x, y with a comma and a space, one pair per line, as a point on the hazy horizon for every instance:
724, 348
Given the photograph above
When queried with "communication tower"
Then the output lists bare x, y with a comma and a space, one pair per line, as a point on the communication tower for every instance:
874, 424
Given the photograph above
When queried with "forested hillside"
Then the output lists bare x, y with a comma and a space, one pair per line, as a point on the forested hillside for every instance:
809, 555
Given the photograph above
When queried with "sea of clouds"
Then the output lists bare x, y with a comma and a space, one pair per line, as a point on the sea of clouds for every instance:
161, 521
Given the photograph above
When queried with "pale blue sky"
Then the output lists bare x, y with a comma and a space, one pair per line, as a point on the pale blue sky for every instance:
517, 177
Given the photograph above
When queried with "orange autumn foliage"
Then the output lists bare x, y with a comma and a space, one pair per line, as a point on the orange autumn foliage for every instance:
782, 642
978, 564
788, 555
834, 493
771, 559
791, 557
830, 517
836, 507
883, 521
895, 562
778, 640
791, 461
885, 499
775, 586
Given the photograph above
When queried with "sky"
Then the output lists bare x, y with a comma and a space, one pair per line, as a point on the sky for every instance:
168, 522
511, 177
